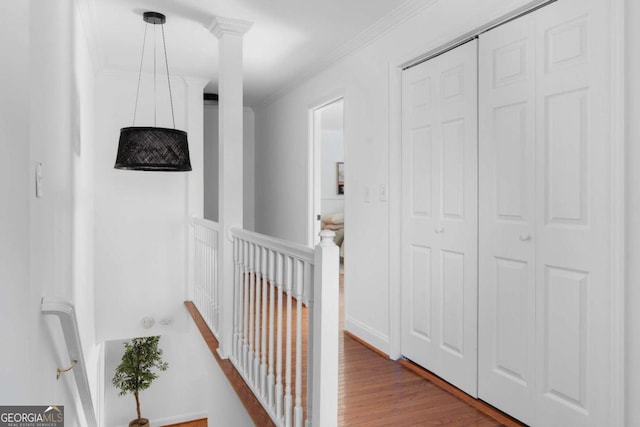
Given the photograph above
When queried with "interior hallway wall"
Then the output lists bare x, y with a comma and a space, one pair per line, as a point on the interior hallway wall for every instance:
38, 259
141, 218
282, 135
632, 90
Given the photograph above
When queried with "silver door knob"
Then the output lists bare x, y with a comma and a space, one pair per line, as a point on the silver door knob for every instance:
439, 230
525, 237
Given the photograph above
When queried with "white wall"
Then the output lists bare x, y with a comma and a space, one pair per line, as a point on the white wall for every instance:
193, 387
281, 145
39, 240
632, 213
140, 264
15, 190
211, 180
140, 217
82, 110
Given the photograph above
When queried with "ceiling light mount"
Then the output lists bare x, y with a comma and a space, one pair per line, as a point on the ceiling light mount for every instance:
154, 18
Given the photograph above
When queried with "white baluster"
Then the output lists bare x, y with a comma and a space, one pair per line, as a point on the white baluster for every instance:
195, 267
258, 323
278, 387
207, 279
214, 280
203, 306
263, 363
288, 398
245, 324
309, 271
237, 300
252, 305
272, 303
196, 273
298, 287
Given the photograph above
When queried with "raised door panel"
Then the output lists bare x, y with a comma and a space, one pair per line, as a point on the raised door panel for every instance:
420, 293
420, 177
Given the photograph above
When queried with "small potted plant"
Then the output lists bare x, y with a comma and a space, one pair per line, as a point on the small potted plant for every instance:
136, 370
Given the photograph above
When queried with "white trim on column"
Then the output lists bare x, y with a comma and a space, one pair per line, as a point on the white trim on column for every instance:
220, 26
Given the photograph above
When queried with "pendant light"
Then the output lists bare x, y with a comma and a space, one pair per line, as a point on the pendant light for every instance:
153, 148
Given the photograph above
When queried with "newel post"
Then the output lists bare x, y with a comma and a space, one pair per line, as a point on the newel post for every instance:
326, 312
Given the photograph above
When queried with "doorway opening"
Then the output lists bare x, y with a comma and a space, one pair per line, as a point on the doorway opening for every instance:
328, 175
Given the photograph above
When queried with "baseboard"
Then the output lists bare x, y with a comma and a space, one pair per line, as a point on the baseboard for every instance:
369, 335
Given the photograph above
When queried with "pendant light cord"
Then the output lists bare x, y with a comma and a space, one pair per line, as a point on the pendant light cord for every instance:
164, 43
155, 92
135, 108
166, 62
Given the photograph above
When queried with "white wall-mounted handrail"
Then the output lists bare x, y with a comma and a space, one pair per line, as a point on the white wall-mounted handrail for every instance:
66, 313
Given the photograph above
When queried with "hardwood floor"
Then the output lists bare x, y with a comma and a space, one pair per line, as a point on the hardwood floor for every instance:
202, 422
377, 391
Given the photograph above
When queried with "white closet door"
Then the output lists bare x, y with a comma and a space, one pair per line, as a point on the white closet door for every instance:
507, 218
573, 220
439, 235
544, 259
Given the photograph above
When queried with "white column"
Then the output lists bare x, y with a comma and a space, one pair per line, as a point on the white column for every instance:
230, 190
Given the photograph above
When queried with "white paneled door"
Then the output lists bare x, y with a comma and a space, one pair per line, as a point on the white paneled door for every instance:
544, 242
507, 193
440, 216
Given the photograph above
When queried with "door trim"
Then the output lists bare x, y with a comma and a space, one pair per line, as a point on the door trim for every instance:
617, 137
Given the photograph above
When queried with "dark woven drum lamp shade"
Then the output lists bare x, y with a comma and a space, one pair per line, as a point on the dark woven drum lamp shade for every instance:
153, 149
146, 148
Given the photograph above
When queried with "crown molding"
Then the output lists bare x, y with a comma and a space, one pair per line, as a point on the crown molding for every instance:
220, 26
387, 23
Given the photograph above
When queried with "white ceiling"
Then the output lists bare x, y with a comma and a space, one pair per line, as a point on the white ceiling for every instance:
289, 39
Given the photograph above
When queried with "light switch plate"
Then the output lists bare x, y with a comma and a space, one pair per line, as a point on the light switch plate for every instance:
384, 193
